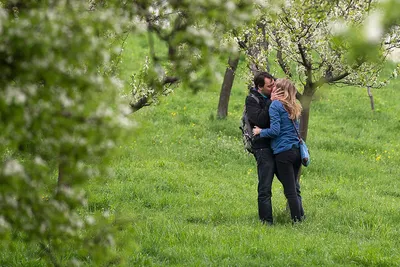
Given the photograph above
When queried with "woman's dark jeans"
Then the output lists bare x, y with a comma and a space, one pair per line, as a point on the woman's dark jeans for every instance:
288, 165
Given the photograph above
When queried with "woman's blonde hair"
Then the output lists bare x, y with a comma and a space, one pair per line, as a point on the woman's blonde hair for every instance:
286, 93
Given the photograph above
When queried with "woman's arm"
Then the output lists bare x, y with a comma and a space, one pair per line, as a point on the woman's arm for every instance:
275, 118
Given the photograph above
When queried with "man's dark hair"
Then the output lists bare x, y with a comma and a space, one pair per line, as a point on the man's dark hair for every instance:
260, 77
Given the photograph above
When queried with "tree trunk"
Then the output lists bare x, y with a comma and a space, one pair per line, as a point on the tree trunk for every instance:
227, 86
305, 101
305, 116
371, 98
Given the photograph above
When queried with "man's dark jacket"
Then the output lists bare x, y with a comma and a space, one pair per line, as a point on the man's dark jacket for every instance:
258, 114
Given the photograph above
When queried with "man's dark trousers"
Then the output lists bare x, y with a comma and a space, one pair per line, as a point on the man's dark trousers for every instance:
266, 169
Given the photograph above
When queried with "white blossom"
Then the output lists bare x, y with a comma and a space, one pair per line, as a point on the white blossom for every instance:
14, 95
117, 83
338, 27
124, 122
154, 11
76, 262
90, 220
11, 201
13, 167
4, 223
66, 102
42, 228
104, 112
124, 109
230, 6
106, 214
111, 240
373, 28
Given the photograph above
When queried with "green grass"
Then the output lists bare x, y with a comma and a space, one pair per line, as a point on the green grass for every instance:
188, 192
191, 190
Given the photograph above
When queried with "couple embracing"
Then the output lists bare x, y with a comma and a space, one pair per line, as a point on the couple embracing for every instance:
273, 113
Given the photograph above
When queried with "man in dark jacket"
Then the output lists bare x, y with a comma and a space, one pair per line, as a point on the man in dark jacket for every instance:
258, 114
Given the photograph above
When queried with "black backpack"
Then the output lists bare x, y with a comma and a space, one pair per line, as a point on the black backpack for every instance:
247, 131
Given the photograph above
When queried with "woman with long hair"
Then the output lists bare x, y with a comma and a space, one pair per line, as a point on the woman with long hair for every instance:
284, 113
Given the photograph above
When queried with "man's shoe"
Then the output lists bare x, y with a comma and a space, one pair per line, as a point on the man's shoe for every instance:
267, 223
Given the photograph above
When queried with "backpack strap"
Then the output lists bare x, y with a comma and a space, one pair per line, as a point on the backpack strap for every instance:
255, 98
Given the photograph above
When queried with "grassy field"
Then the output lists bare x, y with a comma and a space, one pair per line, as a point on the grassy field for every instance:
190, 189
187, 191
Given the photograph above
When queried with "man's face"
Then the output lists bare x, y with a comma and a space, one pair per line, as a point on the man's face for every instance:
269, 85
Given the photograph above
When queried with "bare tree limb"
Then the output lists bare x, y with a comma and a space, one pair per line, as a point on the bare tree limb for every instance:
305, 62
145, 100
142, 102
346, 83
337, 78
332, 79
308, 71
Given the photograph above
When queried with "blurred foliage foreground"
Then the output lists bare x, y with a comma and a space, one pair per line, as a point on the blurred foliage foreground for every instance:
59, 113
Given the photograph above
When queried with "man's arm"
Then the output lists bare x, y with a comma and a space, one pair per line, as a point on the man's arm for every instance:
257, 115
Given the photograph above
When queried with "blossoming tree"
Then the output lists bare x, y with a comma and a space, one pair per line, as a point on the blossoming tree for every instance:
327, 42
191, 34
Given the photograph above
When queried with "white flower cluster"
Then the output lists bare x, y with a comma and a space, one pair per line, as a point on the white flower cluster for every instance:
304, 34
60, 113
13, 168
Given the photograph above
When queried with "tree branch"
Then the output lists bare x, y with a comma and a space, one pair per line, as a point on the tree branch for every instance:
145, 100
339, 77
324, 80
142, 102
345, 83
170, 80
305, 62
284, 66
243, 45
308, 67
